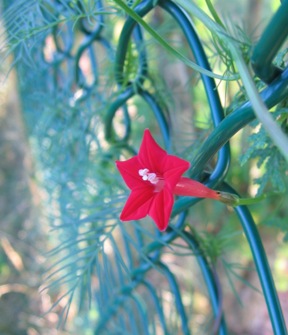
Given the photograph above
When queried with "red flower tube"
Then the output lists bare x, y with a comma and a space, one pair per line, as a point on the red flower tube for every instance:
154, 177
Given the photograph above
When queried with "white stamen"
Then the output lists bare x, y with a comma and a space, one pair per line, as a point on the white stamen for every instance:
152, 177
143, 172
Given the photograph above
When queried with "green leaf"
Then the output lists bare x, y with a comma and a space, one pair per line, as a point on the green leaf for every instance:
267, 156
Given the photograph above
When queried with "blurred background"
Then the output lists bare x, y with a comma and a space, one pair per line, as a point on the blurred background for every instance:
56, 167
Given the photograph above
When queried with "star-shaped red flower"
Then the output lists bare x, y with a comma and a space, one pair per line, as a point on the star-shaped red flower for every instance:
154, 177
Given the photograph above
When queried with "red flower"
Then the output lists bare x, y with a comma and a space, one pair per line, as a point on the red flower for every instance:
154, 177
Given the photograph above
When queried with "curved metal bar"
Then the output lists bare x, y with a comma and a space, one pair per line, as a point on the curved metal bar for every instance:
142, 315
270, 42
91, 35
160, 117
157, 305
143, 70
178, 300
121, 100
87, 45
262, 266
193, 40
66, 37
130, 28
271, 95
79, 76
131, 327
216, 108
211, 282
143, 8
97, 29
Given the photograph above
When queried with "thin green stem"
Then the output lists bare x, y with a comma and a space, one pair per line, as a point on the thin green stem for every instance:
214, 13
256, 200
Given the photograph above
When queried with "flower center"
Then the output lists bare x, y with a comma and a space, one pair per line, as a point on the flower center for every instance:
150, 176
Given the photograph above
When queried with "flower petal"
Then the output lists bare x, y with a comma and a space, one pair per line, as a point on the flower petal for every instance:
130, 172
161, 208
151, 155
138, 204
173, 168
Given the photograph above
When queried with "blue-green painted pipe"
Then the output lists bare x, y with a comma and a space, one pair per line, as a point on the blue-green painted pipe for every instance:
216, 108
269, 44
210, 281
262, 266
271, 96
159, 310
177, 295
125, 37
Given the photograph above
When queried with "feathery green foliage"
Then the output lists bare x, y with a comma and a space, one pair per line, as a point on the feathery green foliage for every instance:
268, 157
